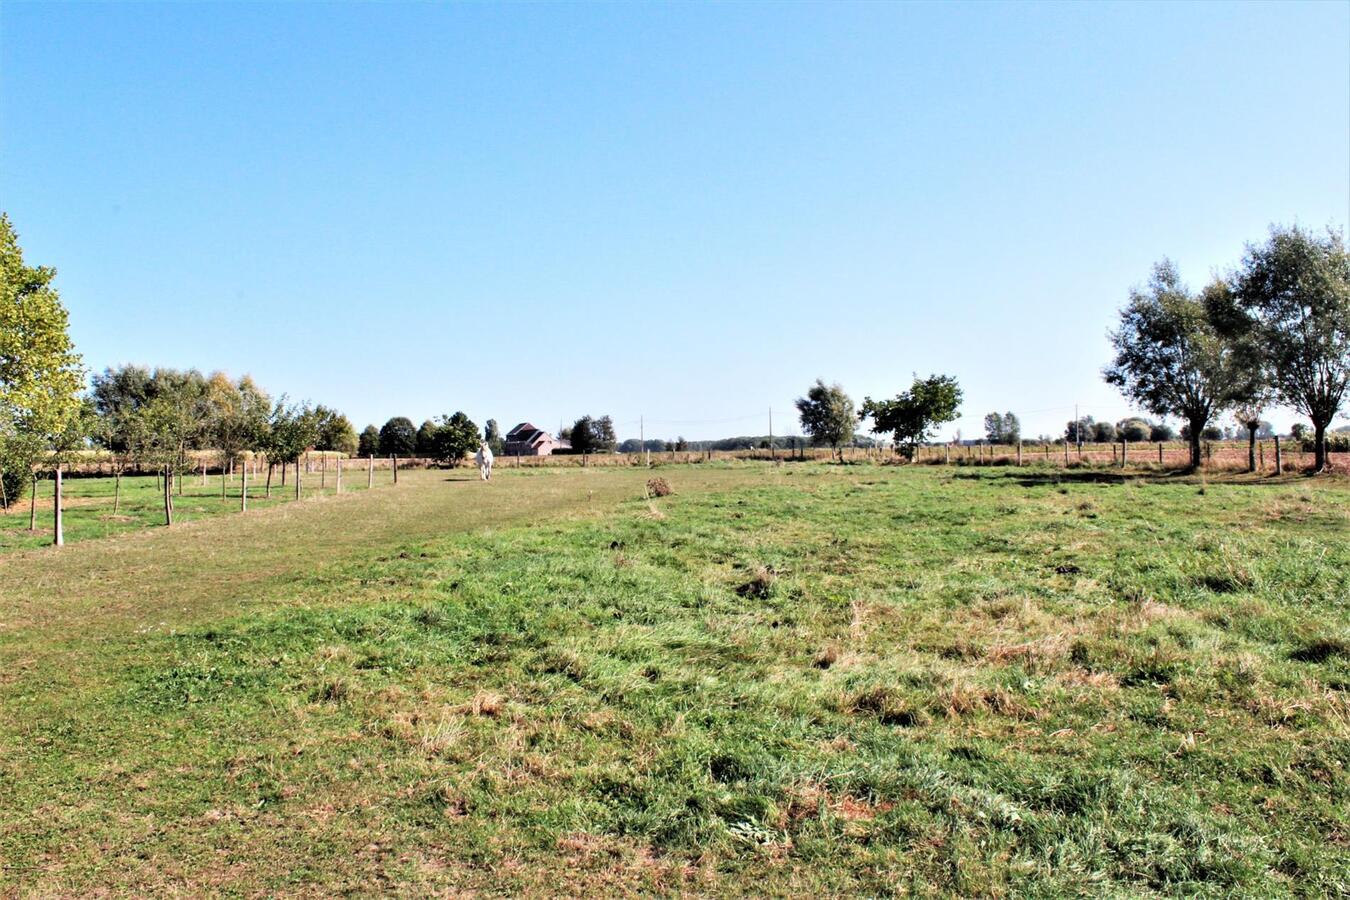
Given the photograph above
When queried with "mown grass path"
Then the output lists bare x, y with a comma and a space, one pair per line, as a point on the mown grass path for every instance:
812, 679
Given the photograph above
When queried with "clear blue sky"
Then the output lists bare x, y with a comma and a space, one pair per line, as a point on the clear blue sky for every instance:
686, 212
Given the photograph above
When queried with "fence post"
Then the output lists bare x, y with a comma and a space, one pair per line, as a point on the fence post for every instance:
1066, 450
60, 532
1261, 451
370, 470
1278, 466
323, 472
394, 457
1124, 448
339, 474
243, 488
297, 478
1019, 451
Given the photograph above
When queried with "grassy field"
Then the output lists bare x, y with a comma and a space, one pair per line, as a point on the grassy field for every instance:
784, 680
87, 503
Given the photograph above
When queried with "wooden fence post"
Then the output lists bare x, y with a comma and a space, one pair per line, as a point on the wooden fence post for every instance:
297, 478
394, 457
1019, 451
1124, 449
60, 533
1066, 450
323, 472
1261, 451
1278, 466
339, 474
370, 471
243, 488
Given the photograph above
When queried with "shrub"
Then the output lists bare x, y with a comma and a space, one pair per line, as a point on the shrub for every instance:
658, 487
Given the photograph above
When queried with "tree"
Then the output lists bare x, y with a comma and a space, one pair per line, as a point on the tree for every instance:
492, 436
1295, 288
293, 430
225, 425
1012, 428
1077, 432
993, 428
175, 418
915, 414
40, 372
1103, 432
120, 397
1170, 359
333, 431
1160, 432
369, 443
1133, 429
398, 437
1298, 431
826, 414
454, 438
590, 435
426, 439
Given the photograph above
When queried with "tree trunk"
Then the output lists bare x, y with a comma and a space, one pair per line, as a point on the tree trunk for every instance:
32, 507
283, 474
1319, 446
58, 529
224, 470
4, 494
1196, 428
168, 497
117, 490
243, 488
1251, 447
297, 479
269, 480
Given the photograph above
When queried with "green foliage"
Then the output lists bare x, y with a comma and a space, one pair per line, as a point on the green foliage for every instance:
492, 436
40, 372
333, 431
1002, 429
369, 443
398, 437
1161, 431
426, 439
454, 438
914, 415
293, 429
589, 435
176, 418
1170, 357
826, 414
1295, 290
1134, 429
1103, 432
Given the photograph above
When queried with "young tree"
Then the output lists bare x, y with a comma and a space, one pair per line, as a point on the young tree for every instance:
826, 414
915, 414
1296, 290
398, 437
455, 438
40, 372
1012, 428
293, 430
1171, 360
120, 397
369, 442
1298, 431
174, 419
225, 427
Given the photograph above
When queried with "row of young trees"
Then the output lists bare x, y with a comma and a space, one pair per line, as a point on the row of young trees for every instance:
445, 439
1274, 330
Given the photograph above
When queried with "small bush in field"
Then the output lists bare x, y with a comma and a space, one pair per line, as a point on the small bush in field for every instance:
658, 487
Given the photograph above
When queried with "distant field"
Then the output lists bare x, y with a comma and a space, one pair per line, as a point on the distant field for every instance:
787, 680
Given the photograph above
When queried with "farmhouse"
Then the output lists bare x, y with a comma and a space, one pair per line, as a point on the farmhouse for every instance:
526, 440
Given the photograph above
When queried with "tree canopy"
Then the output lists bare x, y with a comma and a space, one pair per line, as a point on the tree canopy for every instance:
826, 414
398, 437
1295, 292
912, 416
1170, 358
40, 372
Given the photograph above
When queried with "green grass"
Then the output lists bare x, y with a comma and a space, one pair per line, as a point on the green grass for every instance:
781, 680
87, 503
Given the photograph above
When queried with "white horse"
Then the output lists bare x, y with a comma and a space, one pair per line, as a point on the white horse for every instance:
484, 459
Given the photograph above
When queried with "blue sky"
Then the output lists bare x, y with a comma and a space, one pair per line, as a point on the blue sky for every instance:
685, 212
